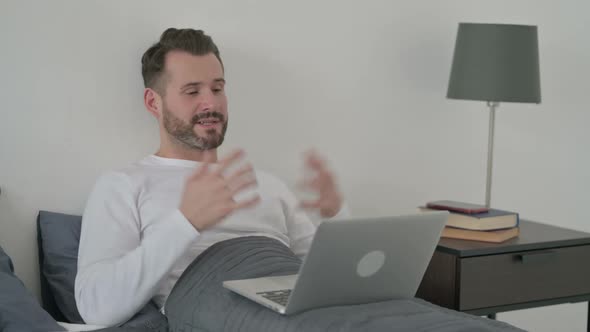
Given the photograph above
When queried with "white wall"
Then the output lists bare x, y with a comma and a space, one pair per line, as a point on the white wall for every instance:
363, 81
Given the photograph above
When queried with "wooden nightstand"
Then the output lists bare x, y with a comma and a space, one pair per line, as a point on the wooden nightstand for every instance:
545, 265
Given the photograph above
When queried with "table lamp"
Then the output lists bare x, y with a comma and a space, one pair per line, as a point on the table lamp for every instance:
495, 63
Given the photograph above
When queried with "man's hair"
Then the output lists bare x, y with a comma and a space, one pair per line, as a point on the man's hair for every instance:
195, 42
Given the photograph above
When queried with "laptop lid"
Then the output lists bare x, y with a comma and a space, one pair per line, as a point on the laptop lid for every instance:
365, 260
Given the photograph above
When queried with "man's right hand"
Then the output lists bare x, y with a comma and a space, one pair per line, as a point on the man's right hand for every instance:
209, 194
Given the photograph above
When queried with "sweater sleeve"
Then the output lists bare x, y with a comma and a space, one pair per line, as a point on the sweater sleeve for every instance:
119, 267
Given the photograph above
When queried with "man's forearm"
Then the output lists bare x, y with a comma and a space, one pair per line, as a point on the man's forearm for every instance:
110, 291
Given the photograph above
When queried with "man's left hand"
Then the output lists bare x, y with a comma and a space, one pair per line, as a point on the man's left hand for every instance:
329, 200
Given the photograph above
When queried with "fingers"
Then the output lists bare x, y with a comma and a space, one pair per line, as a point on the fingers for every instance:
321, 180
242, 172
230, 205
243, 185
200, 172
224, 164
247, 203
310, 204
229, 160
208, 158
226, 200
313, 184
314, 161
239, 181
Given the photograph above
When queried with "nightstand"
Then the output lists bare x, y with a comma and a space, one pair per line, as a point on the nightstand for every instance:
545, 265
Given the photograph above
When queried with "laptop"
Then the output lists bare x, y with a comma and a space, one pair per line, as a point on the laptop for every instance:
353, 261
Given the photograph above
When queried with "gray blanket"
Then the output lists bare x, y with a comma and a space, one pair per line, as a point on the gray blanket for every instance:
199, 302
19, 310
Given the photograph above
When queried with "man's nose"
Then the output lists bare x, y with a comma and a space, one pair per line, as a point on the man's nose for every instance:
207, 101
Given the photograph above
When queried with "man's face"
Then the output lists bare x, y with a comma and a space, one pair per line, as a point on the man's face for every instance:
194, 107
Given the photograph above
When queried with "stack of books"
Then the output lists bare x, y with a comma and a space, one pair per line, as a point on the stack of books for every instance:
476, 222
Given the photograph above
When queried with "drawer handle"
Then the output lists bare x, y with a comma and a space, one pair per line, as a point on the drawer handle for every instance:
535, 257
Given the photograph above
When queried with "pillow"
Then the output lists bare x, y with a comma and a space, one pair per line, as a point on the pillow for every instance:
19, 310
58, 237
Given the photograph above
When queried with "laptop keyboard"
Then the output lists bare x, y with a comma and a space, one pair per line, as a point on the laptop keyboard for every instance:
279, 296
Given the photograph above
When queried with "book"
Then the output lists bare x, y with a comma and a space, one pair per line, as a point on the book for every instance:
493, 219
457, 206
485, 236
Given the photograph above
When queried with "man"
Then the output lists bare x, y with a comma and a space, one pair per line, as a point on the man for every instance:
144, 224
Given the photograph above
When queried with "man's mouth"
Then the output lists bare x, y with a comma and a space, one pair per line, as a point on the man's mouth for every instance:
208, 123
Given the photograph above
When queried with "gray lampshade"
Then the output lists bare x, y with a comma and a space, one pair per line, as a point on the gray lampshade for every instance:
496, 62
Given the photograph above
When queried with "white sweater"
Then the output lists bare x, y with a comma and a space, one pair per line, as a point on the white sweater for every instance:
135, 242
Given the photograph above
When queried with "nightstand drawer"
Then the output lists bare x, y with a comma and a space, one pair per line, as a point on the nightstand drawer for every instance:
495, 280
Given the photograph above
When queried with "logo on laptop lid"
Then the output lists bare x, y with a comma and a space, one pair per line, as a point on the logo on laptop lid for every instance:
370, 264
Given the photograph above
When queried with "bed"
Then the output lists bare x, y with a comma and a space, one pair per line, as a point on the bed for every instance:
199, 303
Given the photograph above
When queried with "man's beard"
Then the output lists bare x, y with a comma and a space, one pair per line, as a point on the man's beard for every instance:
185, 133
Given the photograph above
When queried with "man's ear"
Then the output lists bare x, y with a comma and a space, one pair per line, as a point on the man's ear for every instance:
153, 102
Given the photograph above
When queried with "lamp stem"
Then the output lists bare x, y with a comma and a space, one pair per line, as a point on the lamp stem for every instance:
492, 105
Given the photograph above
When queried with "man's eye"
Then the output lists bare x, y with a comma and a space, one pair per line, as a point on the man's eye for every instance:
193, 92
217, 90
